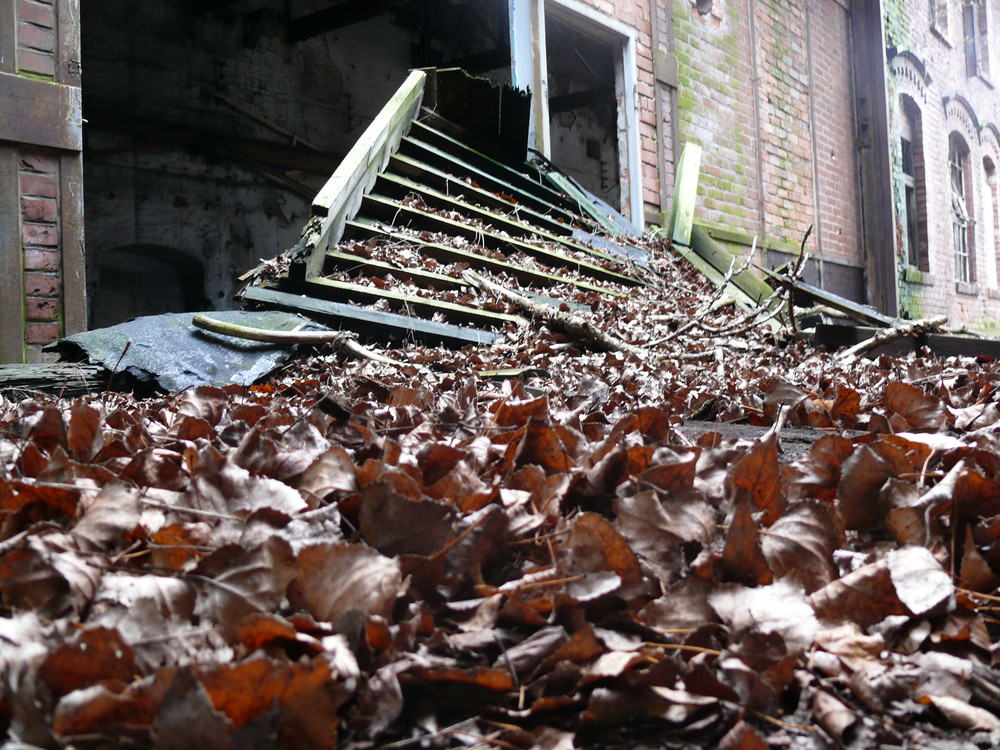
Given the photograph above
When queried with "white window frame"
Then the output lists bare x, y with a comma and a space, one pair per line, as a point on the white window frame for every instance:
528, 71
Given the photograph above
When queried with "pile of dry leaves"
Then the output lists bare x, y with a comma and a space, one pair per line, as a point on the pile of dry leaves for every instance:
361, 555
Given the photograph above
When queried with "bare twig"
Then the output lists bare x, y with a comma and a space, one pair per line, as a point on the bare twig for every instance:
572, 324
885, 335
343, 340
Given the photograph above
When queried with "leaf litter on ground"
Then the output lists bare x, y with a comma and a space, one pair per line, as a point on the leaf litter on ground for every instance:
360, 555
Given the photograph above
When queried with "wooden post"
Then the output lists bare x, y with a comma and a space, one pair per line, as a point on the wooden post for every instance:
685, 194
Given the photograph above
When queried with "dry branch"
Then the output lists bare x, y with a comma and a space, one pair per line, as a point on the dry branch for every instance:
341, 340
885, 335
571, 324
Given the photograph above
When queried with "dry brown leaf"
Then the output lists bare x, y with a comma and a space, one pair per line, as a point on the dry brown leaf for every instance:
336, 580
801, 544
743, 559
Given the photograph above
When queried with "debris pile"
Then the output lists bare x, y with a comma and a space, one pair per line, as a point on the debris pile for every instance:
528, 544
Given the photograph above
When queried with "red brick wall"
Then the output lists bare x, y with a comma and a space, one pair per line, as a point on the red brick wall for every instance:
833, 103
36, 36
38, 179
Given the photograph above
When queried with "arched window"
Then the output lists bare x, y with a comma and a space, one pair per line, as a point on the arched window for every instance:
962, 209
914, 188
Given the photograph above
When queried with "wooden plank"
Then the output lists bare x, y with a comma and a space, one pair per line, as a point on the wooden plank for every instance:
939, 344
874, 149
340, 198
368, 267
61, 378
345, 291
449, 254
487, 217
685, 194
343, 14
710, 273
68, 57
582, 202
449, 183
721, 259
74, 261
814, 295
434, 137
367, 321
429, 153
11, 281
391, 211
40, 113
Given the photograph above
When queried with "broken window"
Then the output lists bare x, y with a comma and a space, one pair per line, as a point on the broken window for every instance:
975, 31
962, 224
583, 108
939, 17
914, 190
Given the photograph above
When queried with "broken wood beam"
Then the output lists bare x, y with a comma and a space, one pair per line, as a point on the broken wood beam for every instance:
368, 321
59, 378
903, 330
340, 340
338, 16
573, 325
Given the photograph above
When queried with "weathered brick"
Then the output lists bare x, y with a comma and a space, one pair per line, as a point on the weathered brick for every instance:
41, 284
39, 209
41, 333
38, 185
36, 37
40, 235
40, 260
41, 308
36, 161
39, 14
33, 61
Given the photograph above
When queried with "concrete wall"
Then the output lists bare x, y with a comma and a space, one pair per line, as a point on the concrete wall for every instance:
929, 67
158, 62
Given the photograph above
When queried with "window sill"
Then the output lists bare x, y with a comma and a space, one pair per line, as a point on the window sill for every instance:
913, 275
940, 35
964, 287
993, 293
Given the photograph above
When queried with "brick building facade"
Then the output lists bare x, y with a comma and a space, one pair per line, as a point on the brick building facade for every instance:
210, 125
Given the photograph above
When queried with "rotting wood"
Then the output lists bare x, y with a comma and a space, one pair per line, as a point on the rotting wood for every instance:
345, 291
449, 254
449, 184
60, 378
885, 335
573, 325
809, 294
341, 196
350, 263
391, 210
499, 222
518, 179
366, 320
685, 194
345, 341
429, 153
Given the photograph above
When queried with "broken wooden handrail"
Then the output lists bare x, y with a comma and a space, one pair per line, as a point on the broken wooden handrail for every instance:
340, 197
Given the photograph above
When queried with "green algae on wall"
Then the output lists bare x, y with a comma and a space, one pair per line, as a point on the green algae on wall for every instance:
897, 24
